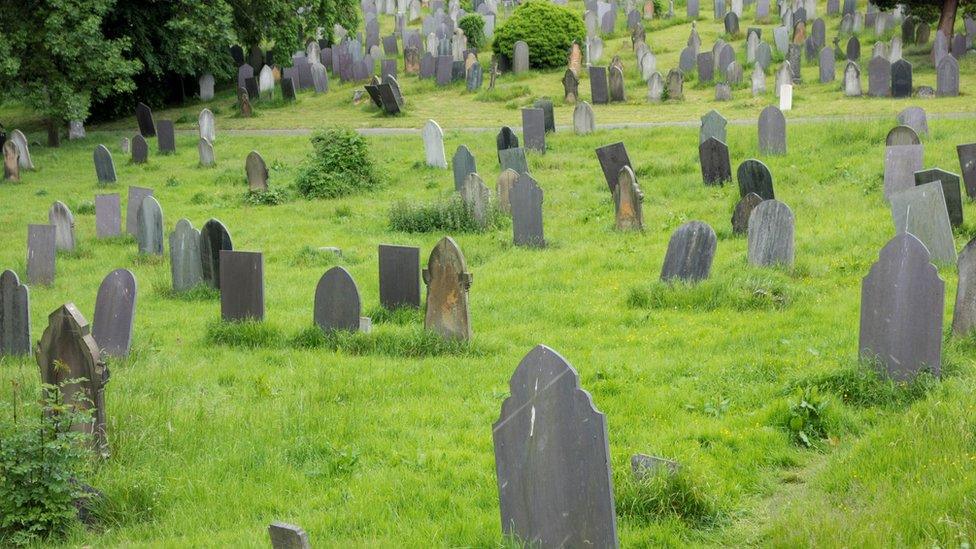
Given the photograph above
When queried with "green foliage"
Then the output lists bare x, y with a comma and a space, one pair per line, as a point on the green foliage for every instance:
339, 165
450, 215
286, 27
663, 494
805, 419
769, 290
270, 197
249, 334
412, 343
864, 384
473, 26
548, 29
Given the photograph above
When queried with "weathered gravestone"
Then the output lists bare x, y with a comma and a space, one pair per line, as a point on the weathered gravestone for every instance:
241, 285
474, 77
60, 217
506, 139
914, 118
902, 301
399, 276
520, 57
552, 458
266, 84
616, 82
115, 308
676, 80
570, 86
476, 197
337, 303
627, 200
206, 152
754, 177
772, 131
758, 81
149, 220
583, 119
166, 137
206, 87
771, 234
104, 167
964, 313
503, 188
514, 159
743, 209
706, 67
547, 111
713, 155
207, 126
134, 201
185, 262
287, 536
41, 249
76, 130
462, 163
14, 315
879, 77
526, 198
434, 145
967, 165
257, 172
852, 80
731, 24
140, 150
613, 158
950, 191
320, 78
288, 88
23, 150
67, 351
534, 129
902, 135
214, 238
599, 91
712, 125
947, 77
900, 164
853, 49
144, 117
655, 88
690, 253
921, 211
448, 281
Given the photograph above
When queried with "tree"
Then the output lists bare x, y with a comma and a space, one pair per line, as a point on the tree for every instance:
929, 10
55, 59
288, 24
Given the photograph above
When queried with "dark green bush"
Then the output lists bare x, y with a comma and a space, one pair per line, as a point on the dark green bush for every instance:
473, 26
548, 29
339, 165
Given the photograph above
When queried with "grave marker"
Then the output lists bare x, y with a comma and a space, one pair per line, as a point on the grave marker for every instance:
41, 249
60, 217
921, 211
257, 172
627, 199
690, 253
104, 167
108, 215
434, 145
149, 221
771, 234
241, 285
713, 155
186, 265
115, 308
526, 198
337, 303
448, 281
399, 276
14, 315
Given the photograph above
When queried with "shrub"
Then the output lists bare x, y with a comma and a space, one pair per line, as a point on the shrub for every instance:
450, 215
548, 29
339, 165
473, 26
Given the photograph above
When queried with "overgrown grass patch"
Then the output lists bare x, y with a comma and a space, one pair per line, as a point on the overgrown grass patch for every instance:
400, 316
411, 343
501, 94
250, 334
767, 290
450, 214
862, 383
663, 495
200, 292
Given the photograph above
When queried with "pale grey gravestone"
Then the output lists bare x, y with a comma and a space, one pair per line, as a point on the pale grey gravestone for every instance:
534, 129
552, 458
108, 215
570, 86
125, 145
676, 80
784, 77
150, 227
134, 201
706, 67
691, 9
648, 65
206, 151
41, 251
762, 10
205, 122
967, 165
902, 302
880, 49
399, 276
144, 117
11, 161
583, 119
266, 83
688, 59
772, 131
61, 218
963, 314
184, 256
852, 80
448, 282
514, 159
655, 88
853, 49
462, 163
733, 74
719, 8
742, 212
434, 145
166, 137
879, 77
337, 304
287, 536
503, 188
713, 155
613, 158
104, 166
599, 87
256, 171
827, 70
526, 198
764, 55
627, 200
214, 238
506, 139
900, 164
548, 115
781, 37
241, 285
915, 118
476, 196
23, 150
940, 47
758, 81
950, 191
206, 87
608, 22
712, 125
115, 308
752, 43
76, 130
921, 211
15, 338
691, 250
474, 77
771, 234
320, 78
520, 57
592, 22
902, 135
947, 77
140, 150
754, 177
243, 72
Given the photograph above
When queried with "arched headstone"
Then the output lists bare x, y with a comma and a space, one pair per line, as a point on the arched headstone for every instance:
61, 218
691, 250
214, 238
257, 172
771, 234
434, 145
185, 262
15, 325
115, 308
754, 177
149, 223
337, 303
627, 200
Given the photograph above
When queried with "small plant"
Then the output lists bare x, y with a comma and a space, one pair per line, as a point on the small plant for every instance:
446, 215
85, 208
473, 26
805, 420
339, 165
864, 384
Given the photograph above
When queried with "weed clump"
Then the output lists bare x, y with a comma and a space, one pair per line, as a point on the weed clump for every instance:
864, 384
413, 343
250, 334
663, 494
451, 215
339, 165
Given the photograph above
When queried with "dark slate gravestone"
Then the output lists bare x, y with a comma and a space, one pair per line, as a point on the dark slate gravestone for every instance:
241, 285
754, 177
534, 129
288, 89
140, 150
771, 234
166, 137
185, 262
793, 56
958, 46
61, 218
462, 163
690, 253
599, 90
115, 309
731, 23
144, 117
901, 163
287, 536
474, 77
399, 276
388, 67
570, 86
552, 458
921, 211
901, 78
914, 118
743, 209
506, 139
967, 165
448, 281
257, 172
252, 88
712, 125
149, 222
902, 301
15, 336
513, 159
772, 131
879, 77
337, 303
706, 67
445, 69
526, 198
713, 155
854, 49
627, 201
963, 314
40, 254
950, 190
67, 351
390, 46
457, 71
237, 54
547, 111
214, 238
947, 77
104, 167
613, 158
390, 99
428, 66
374, 95
134, 201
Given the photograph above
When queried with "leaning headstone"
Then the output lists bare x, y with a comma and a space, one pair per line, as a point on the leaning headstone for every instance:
583, 121
134, 201
690, 253
144, 117
434, 145
287, 536
241, 285
140, 150
967, 165
23, 150
552, 458
257, 172
570, 86
742, 212
399, 276
963, 314
950, 191
772, 131
115, 308
61, 218
448, 281
166, 137
713, 155
337, 304
613, 158
771, 234
921, 211
214, 238
754, 177
599, 87
902, 302
149, 220
627, 199
185, 262
534, 129
108, 215
526, 197
712, 125
104, 167
462, 163
900, 164
15, 326
41, 250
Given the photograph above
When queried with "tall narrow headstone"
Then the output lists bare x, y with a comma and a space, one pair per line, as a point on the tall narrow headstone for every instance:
526, 197
104, 167
149, 220
534, 129
214, 238
14, 315
108, 215
140, 150
41, 251
144, 117
950, 191
185, 262
964, 313
399, 276
462, 163
613, 158
627, 199
61, 218
772, 131
134, 201
166, 137
967, 165
713, 155
257, 172
434, 145
207, 125
115, 308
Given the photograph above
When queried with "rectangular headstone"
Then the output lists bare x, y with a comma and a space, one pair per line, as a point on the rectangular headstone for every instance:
613, 158
108, 215
399, 276
599, 86
41, 249
241, 285
534, 129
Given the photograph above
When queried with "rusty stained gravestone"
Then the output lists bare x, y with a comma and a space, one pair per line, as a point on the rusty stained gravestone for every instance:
214, 238
770, 232
14, 315
503, 189
41, 250
241, 285
902, 301
900, 164
448, 281
149, 221
186, 266
627, 200
337, 303
552, 458
64, 226
134, 202
67, 351
921, 211
11, 161
743, 209
691, 250
950, 191
115, 308
713, 155
526, 197
613, 158
399, 276
257, 172
967, 165
108, 215
754, 177
964, 313
287, 536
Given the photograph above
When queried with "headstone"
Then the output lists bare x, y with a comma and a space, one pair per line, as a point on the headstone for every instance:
150, 227
241, 285
547, 113
266, 83
914, 118
921, 211
690, 253
963, 314
520, 57
772, 131
474, 77
599, 90
901, 79
205, 121
731, 23
627, 199
853, 49
115, 308
771, 234
713, 155
206, 152
206, 87
108, 215
144, 117
754, 177
60, 217
506, 139
900, 164
288, 88
613, 158
462, 163
23, 150
76, 130
706, 66
583, 121
214, 238
514, 159
950, 191
712, 125
688, 59
337, 303
570, 86
827, 71
41, 249
742, 212
758, 81
185, 257
166, 137
879, 77
764, 55
287, 536
140, 150
134, 202
257, 172
526, 198
448, 281
104, 167
534, 129
399, 268
967, 165
655, 88
434, 145
676, 81
11, 161
947, 77
15, 324
902, 135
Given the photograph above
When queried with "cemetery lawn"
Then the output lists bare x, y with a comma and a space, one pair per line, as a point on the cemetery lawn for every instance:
212, 441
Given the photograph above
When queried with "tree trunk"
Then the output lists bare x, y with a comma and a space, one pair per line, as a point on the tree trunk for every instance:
947, 21
53, 133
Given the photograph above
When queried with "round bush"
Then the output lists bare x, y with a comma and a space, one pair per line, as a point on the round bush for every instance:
548, 29
473, 26
339, 165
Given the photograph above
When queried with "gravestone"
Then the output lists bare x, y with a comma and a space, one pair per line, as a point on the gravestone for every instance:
758, 81
570, 86
115, 308
742, 212
108, 215
583, 120
764, 55
150, 227
288, 88
690, 253
434, 145
462, 163
257, 172
59, 216
771, 234
963, 314
206, 87
627, 199
731, 23
967, 165
706, 67
214, 238
11, 162
676, 85
41, 249
76, 130
514, 159
140, 150
950, 191
520, 57
947, 77
534, 129
399, 276
921, 211
23, 150
205, 122
599, 90
712, 125
266, 84
613, 158
320, 78
337, 305
104, 167
902, 302
552, 458
474, 77
506, 139
901, 79
688, 59
914, 118
853, 49
655, 88
772, 131
617, 91
206, 152
503, 188
713, 155
166, 137
901, 163
241, 285
15, 325
526, 198
243, 73
902, 135
185, 262
549, 116
754, 177
476, 197
144, 117
879, 77
448, 282
287, 536
134, 201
